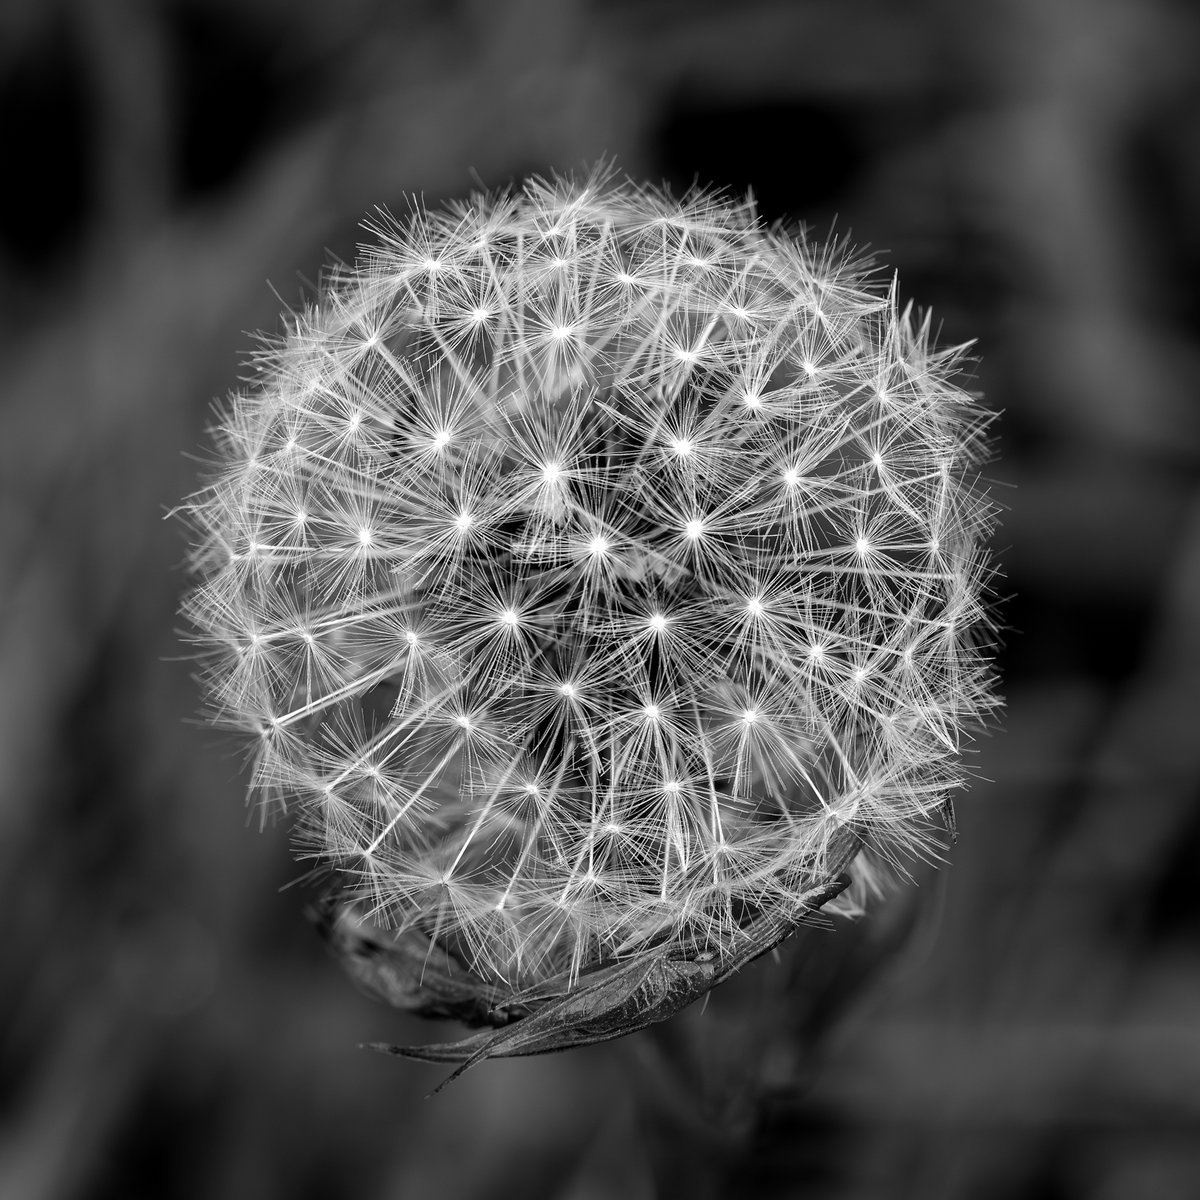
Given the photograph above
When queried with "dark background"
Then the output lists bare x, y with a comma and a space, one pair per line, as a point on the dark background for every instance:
1026, 1023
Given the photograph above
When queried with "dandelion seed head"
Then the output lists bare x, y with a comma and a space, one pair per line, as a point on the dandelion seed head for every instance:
575, 565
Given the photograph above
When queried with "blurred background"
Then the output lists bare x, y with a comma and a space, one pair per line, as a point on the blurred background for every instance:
1023, 1023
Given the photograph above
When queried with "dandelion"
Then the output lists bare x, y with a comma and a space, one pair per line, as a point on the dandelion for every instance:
600, 576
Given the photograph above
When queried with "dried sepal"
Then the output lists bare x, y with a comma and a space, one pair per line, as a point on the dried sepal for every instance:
408, 970
614, 1001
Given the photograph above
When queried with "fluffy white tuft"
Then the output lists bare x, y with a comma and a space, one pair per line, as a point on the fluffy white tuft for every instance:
585, 561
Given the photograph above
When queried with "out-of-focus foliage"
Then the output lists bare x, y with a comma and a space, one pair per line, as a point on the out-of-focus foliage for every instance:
1025, 1022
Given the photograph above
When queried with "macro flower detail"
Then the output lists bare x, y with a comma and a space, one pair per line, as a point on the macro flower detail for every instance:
599, 576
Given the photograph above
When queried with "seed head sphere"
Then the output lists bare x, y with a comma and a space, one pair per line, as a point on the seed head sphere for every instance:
588, 565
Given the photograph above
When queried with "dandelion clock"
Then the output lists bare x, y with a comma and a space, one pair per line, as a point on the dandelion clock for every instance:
598, 576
